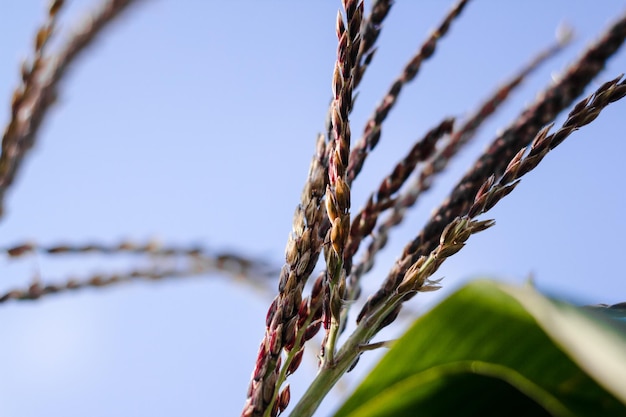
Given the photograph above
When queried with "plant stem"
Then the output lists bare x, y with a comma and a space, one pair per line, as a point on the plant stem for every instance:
349, 352
335, 319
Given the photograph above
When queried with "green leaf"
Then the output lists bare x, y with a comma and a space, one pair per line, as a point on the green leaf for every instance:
493, 349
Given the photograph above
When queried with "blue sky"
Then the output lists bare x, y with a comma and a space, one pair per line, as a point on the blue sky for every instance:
194, 122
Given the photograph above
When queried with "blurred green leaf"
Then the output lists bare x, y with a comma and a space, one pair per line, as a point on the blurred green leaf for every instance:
492, 349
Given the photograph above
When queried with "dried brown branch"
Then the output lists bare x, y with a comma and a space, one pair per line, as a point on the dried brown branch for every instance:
39, 89
151, 248
546, 107
225, 261
199, 261
37, 289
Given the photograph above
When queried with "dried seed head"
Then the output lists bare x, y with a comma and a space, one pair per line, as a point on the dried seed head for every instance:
337, 84
298, 224
20, 250
342, 189
303, 263
275, 344
271, 311
317, 291
303, 312
317, 187
339, 166
479, 226
296, 361
499, 193
304, 243
342, 56
312, 330
291, 251
261, 363
283, 398
449, 250
289, 333
339, 233
42, 37
291, 302
335, 303
350, 7
449, 232
331, 205
343, 147
340, 27
510, 173
463, 234
284, 276
269, 387
413, 277
278, 317
292, 282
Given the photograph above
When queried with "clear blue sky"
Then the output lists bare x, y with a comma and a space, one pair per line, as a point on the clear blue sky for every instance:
194, 122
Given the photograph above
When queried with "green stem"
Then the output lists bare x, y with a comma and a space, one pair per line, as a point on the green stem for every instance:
349, 352
333, 331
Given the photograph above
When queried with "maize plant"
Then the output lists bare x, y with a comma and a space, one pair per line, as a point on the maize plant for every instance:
223, 209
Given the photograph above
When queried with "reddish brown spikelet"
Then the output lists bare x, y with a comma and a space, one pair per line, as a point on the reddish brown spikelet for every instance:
295, 363
284, 398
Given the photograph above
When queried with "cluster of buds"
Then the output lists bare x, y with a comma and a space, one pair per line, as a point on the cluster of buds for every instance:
338, 190
284, 321
452, 240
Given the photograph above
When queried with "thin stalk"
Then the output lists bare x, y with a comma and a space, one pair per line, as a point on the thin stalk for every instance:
335, 324
347, 354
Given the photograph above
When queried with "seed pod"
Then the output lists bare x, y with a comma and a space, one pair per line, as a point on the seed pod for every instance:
312, 330
342, 189
289, 333
276, 339
295, 363
269, 386
331, 205
303, 312
283, 398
